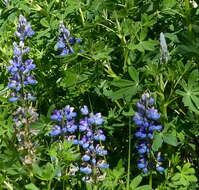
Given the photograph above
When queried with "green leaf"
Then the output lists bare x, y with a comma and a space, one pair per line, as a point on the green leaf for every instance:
144, 187
136, 181
168, 3
45, 172
31, 186
134, 74
69, 80
144, 45
170, 139
176, 177
157, 142
191, 178
122, 83
143, 33
126, 92
44, 22
190, 92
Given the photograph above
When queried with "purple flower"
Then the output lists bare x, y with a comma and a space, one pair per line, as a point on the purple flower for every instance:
160, 169
65, 42
69, 112
57, 115
103, 165
86, 158
152, 114
84, 110
24, 29
13, 99
56, 130
90, 133
20, 68
96, 119
86, 170
146, 118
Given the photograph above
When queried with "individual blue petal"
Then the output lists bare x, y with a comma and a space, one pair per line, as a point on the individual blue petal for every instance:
145, 170
75, 141
86, 158
141, 165
72, 128
103, 165
94, 161
152, 114
13, 99
86, 170
60, 45
160, 169
85, 145
12, 85
72, 41
56, 130
151, 101
32, 98
82, 128
84, 110
64, 52
78, 40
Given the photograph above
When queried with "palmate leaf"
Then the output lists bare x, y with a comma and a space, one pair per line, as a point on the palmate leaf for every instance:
191, 92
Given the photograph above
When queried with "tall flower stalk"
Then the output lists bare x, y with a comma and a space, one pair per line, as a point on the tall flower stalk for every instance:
93, 151
147, 121
20, 80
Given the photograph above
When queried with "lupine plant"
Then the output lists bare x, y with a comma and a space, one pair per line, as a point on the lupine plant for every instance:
21, 78
147, 121
93, 159
66, 125
65, 42
87, 134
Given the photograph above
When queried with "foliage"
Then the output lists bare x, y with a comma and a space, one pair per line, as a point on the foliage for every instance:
121, 59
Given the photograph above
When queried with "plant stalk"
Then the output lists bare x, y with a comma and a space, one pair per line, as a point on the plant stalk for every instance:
129, 156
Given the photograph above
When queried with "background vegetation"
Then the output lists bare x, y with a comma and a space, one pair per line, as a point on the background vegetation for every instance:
121, 60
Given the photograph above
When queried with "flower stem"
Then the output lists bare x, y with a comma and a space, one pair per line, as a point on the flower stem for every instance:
82, 16
49, 185
129, 156
150, 179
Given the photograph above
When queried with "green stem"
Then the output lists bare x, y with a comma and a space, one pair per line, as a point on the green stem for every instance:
151, 179
165, 112
125, 58
82, 16
95, 187
49, 185
129, 156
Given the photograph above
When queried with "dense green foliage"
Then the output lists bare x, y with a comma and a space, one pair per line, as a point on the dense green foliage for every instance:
121, 60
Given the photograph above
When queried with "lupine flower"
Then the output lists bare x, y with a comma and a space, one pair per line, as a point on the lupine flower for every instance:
20, 70
20, 77
90, 135
66, 125
92, 160
146, 119
65, 42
